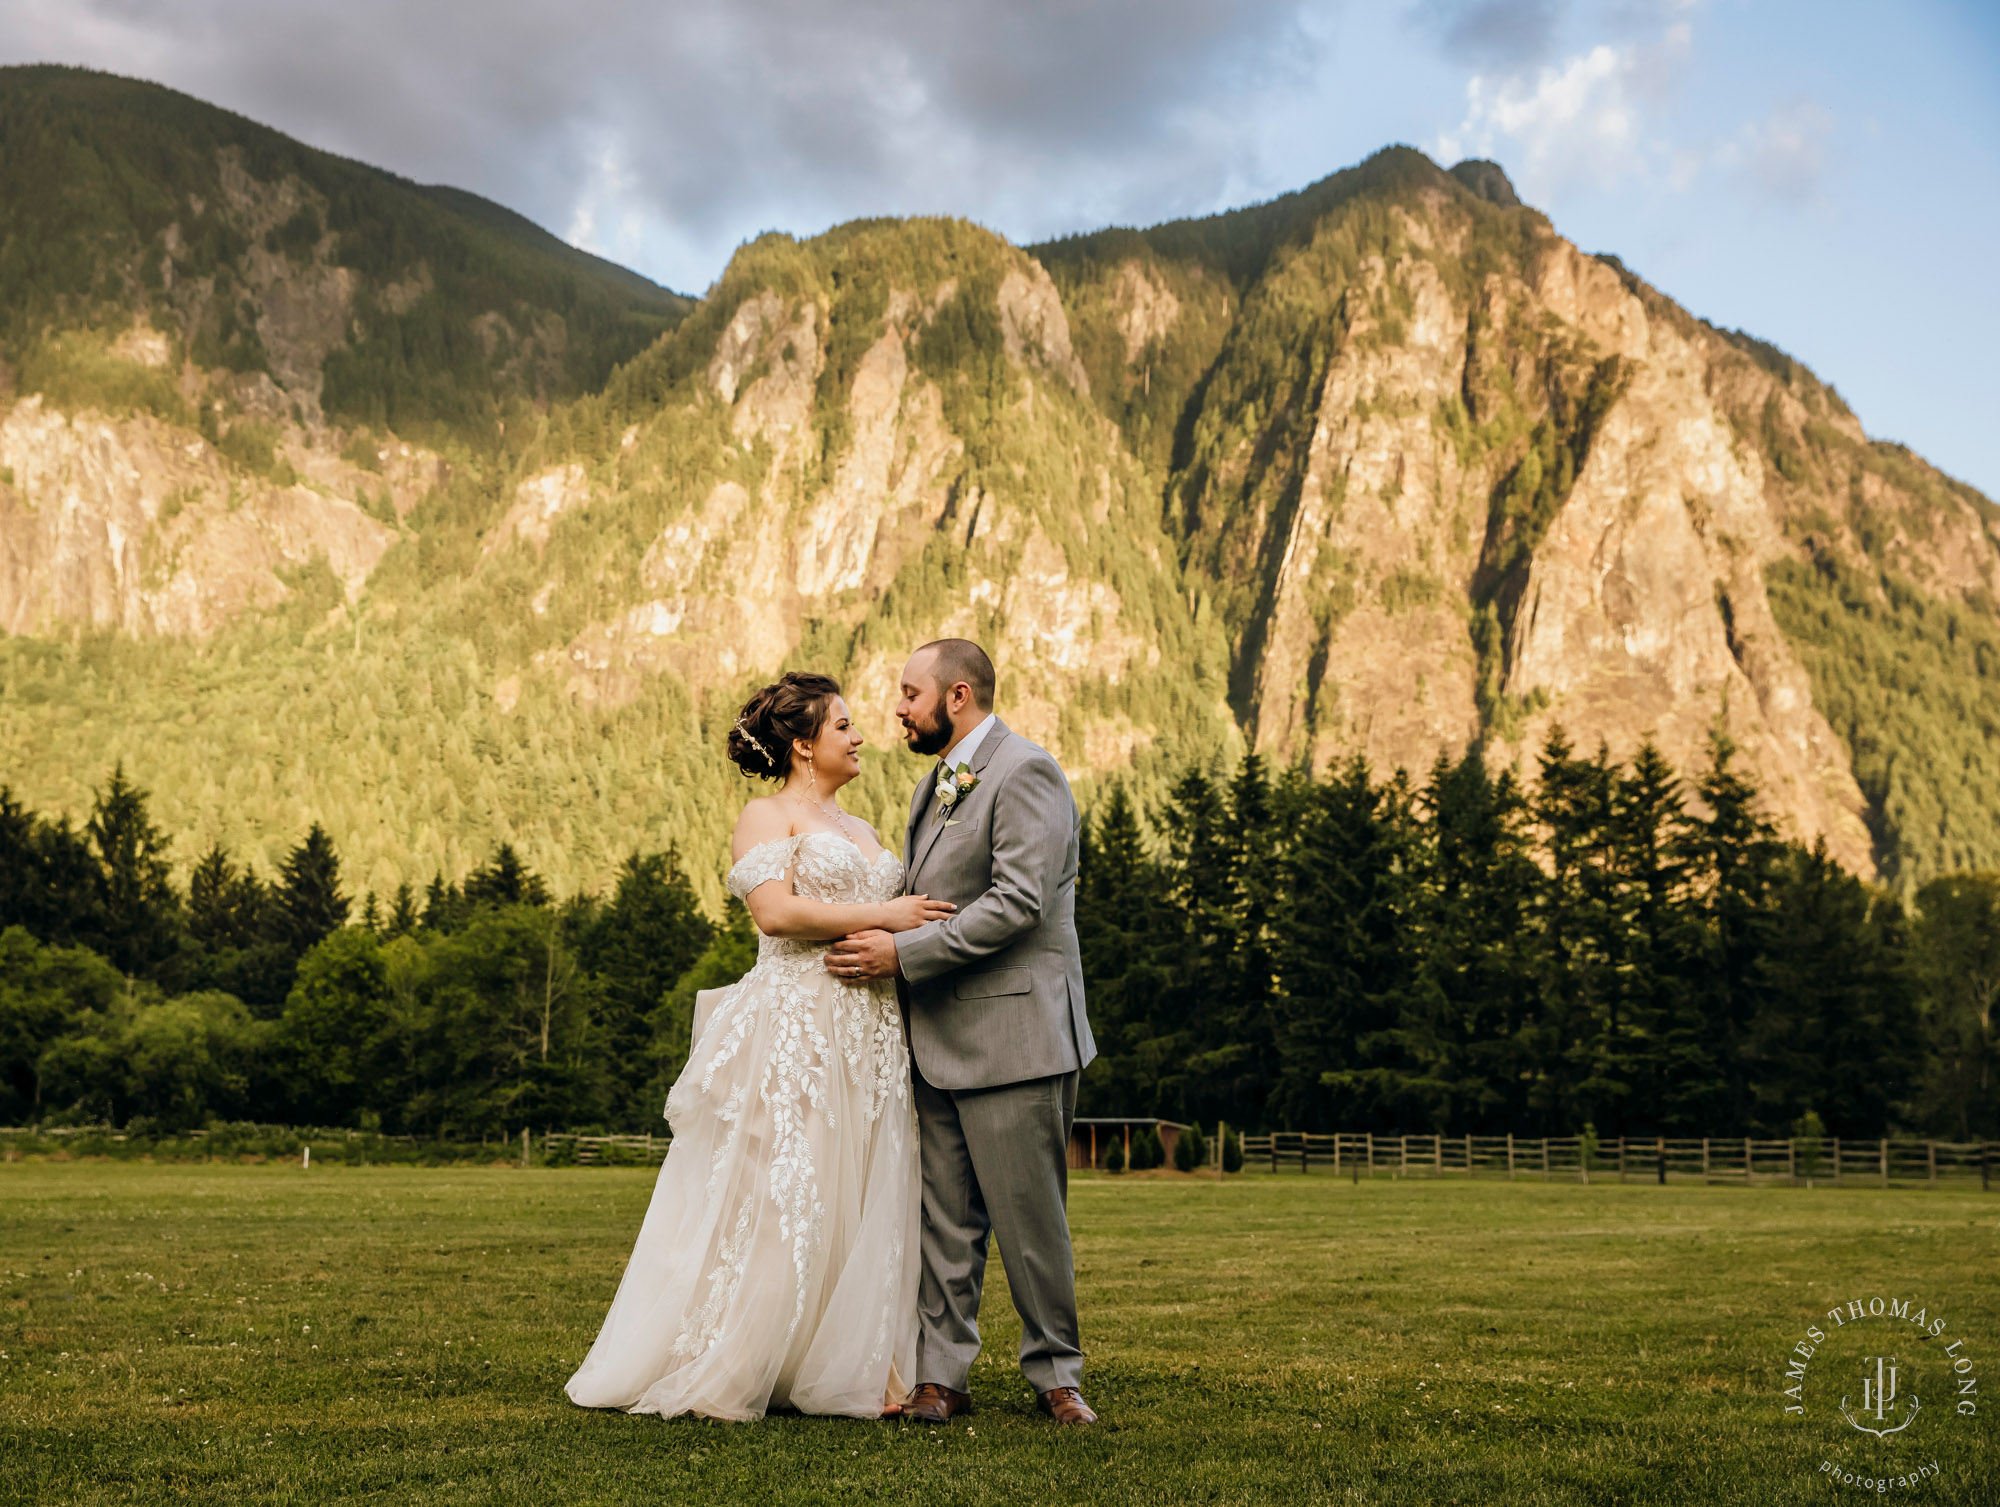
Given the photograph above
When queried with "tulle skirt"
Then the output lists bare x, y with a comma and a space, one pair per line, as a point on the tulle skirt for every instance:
777, 1265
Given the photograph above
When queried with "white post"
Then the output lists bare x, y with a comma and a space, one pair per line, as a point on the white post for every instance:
306, 1161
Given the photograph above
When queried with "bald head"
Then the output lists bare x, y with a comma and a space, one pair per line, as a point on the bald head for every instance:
947, 689
954, 662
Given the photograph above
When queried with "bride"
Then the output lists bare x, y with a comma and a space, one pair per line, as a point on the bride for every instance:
777, 1265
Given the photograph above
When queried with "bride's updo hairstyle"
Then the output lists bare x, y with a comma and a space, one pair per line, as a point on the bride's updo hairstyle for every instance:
795, 707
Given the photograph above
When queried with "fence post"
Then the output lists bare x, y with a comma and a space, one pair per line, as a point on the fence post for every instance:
524, 1146
1884, 1163
1704, 1161
1403, 1149
1274, 1152
306, 1159
1661, 1159
1747, 1157
1545, 1158
1930, 1150
1468, 1158
1836, 1161
1305, 1163
1437, 1154
1792, 1159
1510, 1156
1621, 1159
1371, 1154
1221, 1135
1985, 1167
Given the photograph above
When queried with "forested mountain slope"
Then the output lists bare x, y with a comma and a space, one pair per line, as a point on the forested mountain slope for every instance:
1382, 467
1446, 478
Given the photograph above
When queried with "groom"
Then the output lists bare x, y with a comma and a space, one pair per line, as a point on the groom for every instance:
997, 1028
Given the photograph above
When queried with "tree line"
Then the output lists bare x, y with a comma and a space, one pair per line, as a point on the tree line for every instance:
1613, 947
475, 1007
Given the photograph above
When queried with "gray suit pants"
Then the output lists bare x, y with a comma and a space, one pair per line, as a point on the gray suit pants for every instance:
996, 1160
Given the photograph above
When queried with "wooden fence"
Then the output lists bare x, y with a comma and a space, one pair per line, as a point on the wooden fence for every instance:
598, 1150
1835, 1162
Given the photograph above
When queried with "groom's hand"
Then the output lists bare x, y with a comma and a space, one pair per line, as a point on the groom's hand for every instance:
865, 955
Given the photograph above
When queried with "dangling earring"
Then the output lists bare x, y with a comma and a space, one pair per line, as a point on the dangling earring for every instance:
812, 779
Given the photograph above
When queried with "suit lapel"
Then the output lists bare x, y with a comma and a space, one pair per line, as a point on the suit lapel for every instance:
981, 756
916, 819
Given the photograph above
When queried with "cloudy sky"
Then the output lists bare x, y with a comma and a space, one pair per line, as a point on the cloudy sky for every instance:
1825, 175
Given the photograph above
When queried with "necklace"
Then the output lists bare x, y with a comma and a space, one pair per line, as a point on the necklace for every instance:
837, 816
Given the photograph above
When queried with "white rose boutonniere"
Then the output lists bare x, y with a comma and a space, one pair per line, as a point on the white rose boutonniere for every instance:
952, 787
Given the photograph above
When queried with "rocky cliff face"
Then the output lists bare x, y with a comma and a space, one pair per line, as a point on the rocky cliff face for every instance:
1452, 480
1387, 468
134, 525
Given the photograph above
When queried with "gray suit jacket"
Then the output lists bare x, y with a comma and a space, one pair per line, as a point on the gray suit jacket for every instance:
996, 991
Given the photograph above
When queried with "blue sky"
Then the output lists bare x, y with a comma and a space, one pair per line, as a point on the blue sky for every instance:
1826, 176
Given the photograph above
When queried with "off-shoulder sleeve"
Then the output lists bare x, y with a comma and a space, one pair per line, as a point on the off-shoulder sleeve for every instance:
763, 863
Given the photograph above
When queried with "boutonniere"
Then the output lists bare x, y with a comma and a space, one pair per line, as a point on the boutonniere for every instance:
952, 787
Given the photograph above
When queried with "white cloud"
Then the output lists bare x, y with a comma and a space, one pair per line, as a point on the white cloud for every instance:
1584, 119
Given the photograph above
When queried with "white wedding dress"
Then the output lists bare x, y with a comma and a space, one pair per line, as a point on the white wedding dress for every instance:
777, 1265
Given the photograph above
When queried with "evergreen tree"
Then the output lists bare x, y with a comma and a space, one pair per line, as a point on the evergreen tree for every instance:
1956, 944
1659, 936
139, 912
638, 945
1120, 928
225, 904
1185, 1056
1341, 957
307, 902
403, 916
1833, 1025
230, 948
505, 880
1578, 935
1735, 859
1241, 1053
48, 877
1474, 994
445, 909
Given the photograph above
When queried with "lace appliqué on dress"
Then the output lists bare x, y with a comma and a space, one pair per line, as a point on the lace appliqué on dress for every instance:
805, 1028
762, 864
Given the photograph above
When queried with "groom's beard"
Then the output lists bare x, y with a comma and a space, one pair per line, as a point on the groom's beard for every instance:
932, 737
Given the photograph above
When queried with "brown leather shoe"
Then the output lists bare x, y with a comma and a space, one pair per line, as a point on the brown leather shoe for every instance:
1066, 1405
933, 1402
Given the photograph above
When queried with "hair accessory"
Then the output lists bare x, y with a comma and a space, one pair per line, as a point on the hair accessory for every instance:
761, 749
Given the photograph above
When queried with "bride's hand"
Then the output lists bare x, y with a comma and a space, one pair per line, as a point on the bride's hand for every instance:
908, 912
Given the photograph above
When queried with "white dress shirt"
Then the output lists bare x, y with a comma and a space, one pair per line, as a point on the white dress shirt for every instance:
962, 751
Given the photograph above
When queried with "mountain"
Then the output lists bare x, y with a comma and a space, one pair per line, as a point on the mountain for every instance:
290, 279
1383, 467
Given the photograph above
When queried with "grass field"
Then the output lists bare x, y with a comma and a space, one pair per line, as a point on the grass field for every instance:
250, 1334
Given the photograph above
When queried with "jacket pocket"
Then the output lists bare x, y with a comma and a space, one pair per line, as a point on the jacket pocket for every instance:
993, 981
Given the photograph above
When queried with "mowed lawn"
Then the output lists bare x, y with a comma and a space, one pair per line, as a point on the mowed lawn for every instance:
248, 1334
